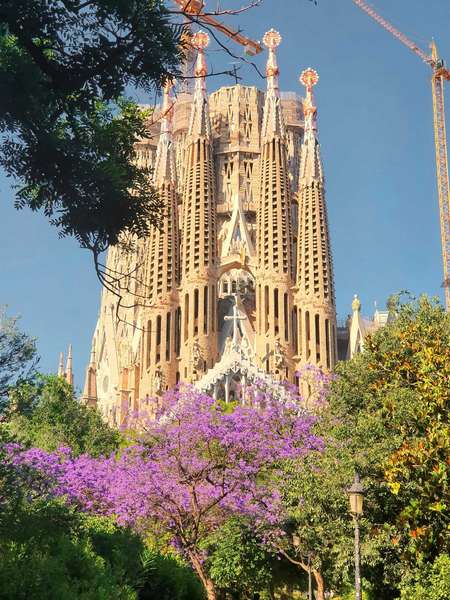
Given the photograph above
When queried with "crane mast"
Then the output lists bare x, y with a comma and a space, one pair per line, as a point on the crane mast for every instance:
439, 75
440, 136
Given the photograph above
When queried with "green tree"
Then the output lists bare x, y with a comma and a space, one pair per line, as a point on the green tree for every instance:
18, 356
51, 552
319, 532
431, 582
167, 577
387, 417
401, 384
237, 562
64, 68
46, 414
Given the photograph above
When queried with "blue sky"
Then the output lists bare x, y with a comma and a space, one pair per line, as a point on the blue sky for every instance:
375, 127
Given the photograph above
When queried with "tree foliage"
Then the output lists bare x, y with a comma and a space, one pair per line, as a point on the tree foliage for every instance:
237, 561
18, 356
68, 137
52, 551
431, 582
46, 414
387, 417
197, 467
57, 554
167, 577
402, 381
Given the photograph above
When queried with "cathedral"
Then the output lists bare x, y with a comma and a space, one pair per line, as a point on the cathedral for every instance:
237, 283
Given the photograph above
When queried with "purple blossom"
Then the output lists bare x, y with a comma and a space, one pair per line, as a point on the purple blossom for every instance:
195, 466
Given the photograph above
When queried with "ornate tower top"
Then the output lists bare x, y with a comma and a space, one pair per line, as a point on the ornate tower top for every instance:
309, 78
61, 365
200, 124
69, 373
164, 170
315, 281
271, 40
356, 303
167, 107
310, 164
273, 119
200, 41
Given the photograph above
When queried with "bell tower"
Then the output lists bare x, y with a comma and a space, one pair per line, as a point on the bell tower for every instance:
199, 244
161, 315
274, 232
314, 310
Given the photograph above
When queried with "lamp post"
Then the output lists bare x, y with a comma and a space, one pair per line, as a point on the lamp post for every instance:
356, 497
296, 544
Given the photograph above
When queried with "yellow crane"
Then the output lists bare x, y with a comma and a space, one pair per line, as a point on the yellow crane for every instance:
439, 74
196, 8
194, 11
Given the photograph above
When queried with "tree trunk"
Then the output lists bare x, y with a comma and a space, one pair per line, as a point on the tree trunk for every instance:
320, 584
208, 584
211, 593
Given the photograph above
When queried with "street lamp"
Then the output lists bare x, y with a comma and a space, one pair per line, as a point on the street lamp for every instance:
356, 497
296, 544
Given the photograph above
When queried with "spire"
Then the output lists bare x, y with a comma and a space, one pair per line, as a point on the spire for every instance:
357, 329
61, 365
274, 228
162, 246
164, 169
314, 261
92, 357
199, 219
199, 234
274, 218
89, 396
310, 162
200, 124
69, 374
273, 120
315, 284
356, 304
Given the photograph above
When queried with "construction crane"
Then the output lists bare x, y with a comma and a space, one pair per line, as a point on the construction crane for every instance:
194, 11
439, 74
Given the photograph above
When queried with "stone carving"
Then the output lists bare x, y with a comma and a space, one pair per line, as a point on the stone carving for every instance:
157, 381
197, 359
246, 348
278, 355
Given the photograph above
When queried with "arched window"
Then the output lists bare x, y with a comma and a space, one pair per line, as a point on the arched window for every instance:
149, 343
205, 309
158, 338
317, 336
286, 317
186, 317
168, 332
308, 335
295, 330
327, 341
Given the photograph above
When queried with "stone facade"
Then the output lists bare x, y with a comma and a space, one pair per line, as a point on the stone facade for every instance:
245, 225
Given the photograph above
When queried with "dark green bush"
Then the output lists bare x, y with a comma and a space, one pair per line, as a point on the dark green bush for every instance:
50, 552
166, 578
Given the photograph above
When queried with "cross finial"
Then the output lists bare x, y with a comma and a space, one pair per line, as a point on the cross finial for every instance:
271, 40
200, 41
309, 78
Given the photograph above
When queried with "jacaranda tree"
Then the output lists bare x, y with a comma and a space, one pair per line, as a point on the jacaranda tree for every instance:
197, 467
